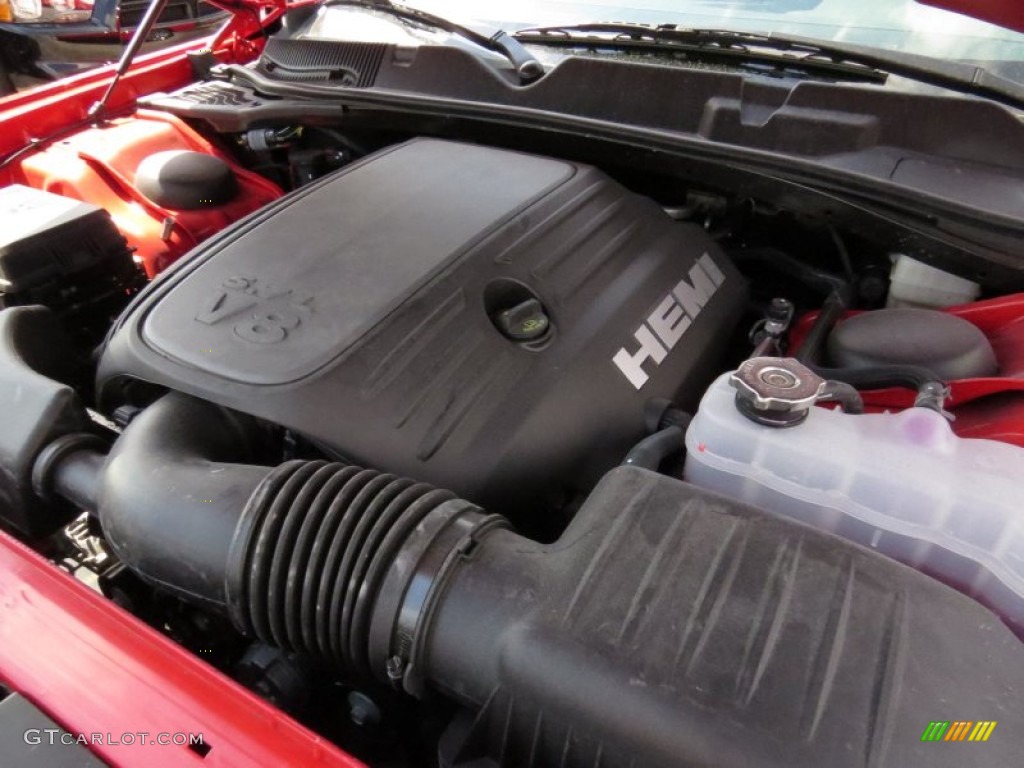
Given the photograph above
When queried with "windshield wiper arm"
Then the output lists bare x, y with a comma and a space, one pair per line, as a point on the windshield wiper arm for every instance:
841, 58
526, 66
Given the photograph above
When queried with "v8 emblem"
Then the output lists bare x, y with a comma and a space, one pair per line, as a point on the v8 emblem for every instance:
263, 314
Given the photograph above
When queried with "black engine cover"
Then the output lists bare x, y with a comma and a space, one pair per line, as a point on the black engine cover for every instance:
362, 312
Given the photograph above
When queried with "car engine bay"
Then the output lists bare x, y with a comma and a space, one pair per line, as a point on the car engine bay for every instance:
533, 449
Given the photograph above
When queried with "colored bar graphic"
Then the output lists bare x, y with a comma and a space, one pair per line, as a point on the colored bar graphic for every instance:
982, 730
958, 730
935, 731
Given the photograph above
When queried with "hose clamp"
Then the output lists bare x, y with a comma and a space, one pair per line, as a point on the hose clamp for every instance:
461, 526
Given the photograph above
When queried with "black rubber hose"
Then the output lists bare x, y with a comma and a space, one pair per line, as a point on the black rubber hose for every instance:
650, 452
846, 395
874, 377
833, 308
816, 279
879, 376
312, 550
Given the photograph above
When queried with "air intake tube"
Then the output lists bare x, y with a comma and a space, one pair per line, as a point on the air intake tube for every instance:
170, 497
302, 556
322, 548
666, 627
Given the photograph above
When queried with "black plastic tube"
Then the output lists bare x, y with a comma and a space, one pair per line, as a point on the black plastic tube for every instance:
80, 457
171, 497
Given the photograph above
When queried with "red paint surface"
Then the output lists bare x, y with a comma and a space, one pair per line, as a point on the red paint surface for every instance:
991, 408
98, 164
45, 109
96, 669
1005, 13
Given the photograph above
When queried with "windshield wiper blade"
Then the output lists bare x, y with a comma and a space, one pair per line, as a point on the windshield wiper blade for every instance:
526, 66
803, 52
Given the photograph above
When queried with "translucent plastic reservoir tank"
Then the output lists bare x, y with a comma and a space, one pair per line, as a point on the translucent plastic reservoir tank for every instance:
901, 483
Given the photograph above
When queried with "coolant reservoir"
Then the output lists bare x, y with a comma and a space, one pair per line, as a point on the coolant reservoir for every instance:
901, 483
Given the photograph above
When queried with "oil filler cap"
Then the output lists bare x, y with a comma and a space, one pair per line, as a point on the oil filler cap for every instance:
526, 321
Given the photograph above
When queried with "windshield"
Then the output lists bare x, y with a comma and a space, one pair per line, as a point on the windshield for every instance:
902, 25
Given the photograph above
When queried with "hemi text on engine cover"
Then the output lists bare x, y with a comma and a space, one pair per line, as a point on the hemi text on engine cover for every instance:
668, 322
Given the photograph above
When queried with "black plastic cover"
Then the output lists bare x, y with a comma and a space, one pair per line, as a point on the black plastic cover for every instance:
670, 626
186, 180
359, 311
311, 60
949, 346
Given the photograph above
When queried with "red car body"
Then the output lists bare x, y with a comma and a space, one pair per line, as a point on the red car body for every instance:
96, 669
1005, 13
